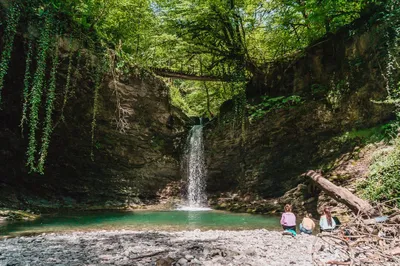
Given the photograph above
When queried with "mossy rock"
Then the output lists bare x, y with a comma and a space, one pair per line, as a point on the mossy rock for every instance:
251, 211
223, 205
11, 215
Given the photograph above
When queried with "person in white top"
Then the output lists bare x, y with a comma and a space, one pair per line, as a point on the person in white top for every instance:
326, 222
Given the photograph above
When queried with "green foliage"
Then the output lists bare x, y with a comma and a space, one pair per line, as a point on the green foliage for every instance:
386, 132
213, 29
215, 37
48, 122
336, 92
98, 80
383, 182
8, 39
77, 69
37, 87
318, 89
27, 80
235, 38
292, 25
191, 96
179, 101
246, 32
392, 36
269, 104
70, 16
157, 143
68, 82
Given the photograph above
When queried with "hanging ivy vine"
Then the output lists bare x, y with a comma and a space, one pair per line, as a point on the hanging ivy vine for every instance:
99, 73
37, 113
48, 123
68, 82
240, 100
37, 88
13, 17
77, 68
26, 91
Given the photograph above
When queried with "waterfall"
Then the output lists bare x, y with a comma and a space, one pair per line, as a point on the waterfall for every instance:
196, 170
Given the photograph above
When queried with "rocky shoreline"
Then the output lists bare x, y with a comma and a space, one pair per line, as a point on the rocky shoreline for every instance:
251, 247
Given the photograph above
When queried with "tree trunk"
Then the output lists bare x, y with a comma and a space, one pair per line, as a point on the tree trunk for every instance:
342, 195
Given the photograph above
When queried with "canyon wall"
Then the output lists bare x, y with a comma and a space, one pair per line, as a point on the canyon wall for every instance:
337, 78
136, 145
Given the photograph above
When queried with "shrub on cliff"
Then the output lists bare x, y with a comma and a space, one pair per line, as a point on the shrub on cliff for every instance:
383, 183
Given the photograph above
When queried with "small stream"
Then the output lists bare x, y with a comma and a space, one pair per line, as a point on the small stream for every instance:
141, 221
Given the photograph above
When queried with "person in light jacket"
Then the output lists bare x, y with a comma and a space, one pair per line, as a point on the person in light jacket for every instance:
288, 220
326, 222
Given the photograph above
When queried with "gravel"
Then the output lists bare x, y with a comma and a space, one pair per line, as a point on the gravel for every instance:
252, 247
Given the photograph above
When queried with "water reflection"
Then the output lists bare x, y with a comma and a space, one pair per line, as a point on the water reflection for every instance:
193, 218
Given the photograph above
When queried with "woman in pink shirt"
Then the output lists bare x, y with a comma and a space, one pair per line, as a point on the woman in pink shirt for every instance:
288, 220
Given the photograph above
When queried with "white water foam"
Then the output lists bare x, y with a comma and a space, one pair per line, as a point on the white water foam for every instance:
193, 209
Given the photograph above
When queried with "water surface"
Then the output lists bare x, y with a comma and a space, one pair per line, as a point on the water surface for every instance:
141, 220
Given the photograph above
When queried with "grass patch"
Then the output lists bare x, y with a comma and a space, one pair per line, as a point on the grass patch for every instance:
383, 182
385, 132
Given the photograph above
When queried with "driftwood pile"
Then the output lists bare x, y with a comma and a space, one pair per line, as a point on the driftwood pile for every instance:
372, 237
361, 241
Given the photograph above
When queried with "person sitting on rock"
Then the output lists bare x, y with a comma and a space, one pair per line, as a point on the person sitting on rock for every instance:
307, 225
288, 220
327, 223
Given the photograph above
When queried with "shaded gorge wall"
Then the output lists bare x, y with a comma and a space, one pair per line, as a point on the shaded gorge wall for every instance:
131, 162
336, 78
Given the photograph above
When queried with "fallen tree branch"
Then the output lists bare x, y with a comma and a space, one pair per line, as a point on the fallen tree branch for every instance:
342, 195
362, 243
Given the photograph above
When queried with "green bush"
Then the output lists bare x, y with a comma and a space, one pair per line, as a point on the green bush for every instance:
269, 104
383, 182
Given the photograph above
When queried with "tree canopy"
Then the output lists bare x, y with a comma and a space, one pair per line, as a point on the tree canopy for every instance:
219, 35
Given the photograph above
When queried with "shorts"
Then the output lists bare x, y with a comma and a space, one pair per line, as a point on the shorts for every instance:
293, 227
306, 231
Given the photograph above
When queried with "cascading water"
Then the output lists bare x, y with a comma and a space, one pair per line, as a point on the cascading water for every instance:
196, 168
196, 171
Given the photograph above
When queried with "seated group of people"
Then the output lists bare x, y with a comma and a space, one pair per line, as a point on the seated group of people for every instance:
326, 222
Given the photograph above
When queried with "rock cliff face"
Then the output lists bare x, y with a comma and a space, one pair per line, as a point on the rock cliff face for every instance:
135, 153
337, 78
